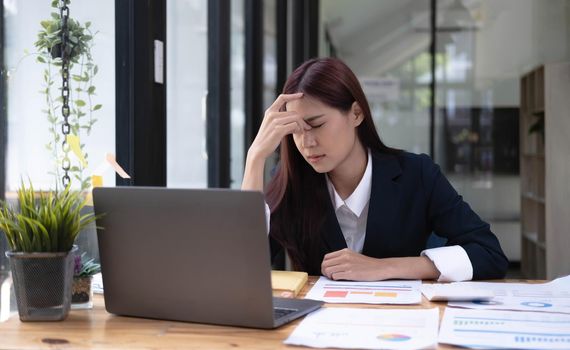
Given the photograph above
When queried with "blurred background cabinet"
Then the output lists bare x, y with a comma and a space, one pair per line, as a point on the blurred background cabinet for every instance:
545, 171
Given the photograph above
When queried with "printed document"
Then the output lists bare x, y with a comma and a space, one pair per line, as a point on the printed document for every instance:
368, 329
456, 291
505, 329
383, 292
97, 283
544, 297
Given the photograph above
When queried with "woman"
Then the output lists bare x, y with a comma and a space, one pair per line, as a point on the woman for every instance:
345, 205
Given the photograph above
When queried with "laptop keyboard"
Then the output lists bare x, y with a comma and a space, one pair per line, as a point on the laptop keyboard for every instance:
280, 312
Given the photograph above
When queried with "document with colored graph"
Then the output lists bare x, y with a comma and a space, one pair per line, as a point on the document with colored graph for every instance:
494, 329
368, 329
383, 292
552, 297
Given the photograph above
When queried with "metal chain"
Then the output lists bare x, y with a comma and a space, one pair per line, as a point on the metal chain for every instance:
65, 111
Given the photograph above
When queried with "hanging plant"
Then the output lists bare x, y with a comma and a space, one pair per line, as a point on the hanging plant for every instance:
49, 38
82, 91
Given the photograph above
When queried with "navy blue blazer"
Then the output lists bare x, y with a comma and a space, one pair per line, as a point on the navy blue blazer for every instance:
410, 199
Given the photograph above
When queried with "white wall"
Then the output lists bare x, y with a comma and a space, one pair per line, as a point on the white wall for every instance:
518, 35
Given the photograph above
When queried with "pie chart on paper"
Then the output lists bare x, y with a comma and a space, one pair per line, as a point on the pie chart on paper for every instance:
394, 337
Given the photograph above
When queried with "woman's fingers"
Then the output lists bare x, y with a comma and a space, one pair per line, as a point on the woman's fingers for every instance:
336, 254
276, 124
275, 115
292, 118
341, 275
333, 272
333, 264
287, 129
282, 99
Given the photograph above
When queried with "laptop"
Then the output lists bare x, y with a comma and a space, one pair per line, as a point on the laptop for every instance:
189, 255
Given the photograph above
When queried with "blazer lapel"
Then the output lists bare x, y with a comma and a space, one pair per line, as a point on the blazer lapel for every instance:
383, 205
332, 235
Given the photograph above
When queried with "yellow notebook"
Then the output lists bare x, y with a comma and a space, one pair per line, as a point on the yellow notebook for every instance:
287, 283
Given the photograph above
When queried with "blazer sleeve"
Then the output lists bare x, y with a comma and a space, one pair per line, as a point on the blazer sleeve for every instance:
451, 217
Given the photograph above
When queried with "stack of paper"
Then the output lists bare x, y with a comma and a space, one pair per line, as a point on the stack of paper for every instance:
287, 283
415, 329
368, 329
545, 297
505, 329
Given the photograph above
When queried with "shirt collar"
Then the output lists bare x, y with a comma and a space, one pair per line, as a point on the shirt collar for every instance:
358, 200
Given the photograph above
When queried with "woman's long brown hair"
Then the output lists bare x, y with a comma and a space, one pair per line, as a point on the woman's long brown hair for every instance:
297, 194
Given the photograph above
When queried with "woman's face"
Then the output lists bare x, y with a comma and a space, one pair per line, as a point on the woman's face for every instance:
332, 138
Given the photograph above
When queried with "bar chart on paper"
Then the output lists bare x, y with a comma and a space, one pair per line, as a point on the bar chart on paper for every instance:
505, 329
383, 292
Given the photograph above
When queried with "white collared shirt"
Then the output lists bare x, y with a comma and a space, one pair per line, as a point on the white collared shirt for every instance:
352, 214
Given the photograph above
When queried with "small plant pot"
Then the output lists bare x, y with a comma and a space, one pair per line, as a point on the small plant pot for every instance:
57, 52
42, 284
82, 294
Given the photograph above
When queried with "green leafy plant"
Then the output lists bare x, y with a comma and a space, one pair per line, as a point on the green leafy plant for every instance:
82, 71
537, 126
49, 38
44, 222
85, 267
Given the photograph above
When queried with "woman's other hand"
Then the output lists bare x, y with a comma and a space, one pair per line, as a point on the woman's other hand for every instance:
346, 264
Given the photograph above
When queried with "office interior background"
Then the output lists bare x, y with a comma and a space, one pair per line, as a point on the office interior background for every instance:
451, 90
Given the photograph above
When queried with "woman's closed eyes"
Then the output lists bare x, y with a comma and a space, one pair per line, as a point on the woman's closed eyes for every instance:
314, 118
316, 126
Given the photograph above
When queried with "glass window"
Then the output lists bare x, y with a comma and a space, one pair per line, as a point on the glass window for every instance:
237, 98
187, 74
27, 79
386, 43
486, 46
483, 48
269, 69
269, 53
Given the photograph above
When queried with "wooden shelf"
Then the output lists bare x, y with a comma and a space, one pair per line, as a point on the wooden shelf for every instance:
532, 196
533, 237
533, 155
543, 168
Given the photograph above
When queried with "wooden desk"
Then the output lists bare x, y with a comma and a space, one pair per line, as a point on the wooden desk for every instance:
85, 329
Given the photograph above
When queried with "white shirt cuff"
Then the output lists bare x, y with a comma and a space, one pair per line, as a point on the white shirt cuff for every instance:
452, 262
267, 216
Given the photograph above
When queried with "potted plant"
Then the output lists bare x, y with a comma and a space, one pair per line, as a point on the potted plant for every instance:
40, 231
82, 295
82, 91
